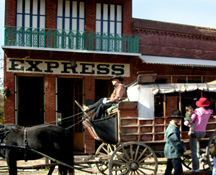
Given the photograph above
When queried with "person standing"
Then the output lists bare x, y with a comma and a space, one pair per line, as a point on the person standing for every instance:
174, 149
200, 117
101, 105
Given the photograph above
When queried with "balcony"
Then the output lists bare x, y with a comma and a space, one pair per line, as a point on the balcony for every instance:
73, 40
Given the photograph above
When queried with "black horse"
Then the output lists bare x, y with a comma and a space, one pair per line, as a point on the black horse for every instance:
53, 141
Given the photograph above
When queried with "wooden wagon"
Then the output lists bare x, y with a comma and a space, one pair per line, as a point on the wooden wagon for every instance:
131, 143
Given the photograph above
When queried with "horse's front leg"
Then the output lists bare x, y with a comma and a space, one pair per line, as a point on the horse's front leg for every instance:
11, 162
62, 170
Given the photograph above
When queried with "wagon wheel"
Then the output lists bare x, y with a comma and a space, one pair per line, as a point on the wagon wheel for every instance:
187, 161
205, 158
103, 154
133, 158
212, 141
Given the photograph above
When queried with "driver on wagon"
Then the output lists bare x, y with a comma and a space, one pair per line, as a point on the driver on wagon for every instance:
104, 103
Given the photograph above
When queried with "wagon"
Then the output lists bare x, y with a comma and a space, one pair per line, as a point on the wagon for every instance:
133, 137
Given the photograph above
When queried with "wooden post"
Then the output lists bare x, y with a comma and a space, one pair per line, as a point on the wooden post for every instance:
164, 105
180, 102
164, 112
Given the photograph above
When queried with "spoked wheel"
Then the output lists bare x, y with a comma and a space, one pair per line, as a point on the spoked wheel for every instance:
212, 141
133, 158
204, 159
187, 161
103, 155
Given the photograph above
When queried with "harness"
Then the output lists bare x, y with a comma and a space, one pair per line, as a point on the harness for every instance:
1, 133
25, 142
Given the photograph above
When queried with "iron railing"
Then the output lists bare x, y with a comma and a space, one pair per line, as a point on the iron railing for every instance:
63, 39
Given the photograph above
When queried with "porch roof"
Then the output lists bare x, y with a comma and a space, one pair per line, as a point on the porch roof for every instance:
177, 61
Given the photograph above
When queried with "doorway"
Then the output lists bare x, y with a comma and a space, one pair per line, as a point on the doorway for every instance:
30, 100
103, 88
69, 90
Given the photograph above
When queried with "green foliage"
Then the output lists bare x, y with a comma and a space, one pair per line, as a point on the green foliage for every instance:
6, 92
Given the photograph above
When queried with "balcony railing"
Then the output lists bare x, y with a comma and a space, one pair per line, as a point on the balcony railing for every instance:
63, 39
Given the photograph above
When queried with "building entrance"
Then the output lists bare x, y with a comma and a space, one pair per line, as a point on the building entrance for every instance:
30, 101
69, 90
103, 88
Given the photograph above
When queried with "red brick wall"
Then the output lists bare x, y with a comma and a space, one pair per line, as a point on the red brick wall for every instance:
10, 12
174, 40
90, 15
127, 17
50, 101
51, 12
9, 104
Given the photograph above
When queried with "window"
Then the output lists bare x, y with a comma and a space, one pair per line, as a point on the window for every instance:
108, 18
31, 13
109, 27
71, 15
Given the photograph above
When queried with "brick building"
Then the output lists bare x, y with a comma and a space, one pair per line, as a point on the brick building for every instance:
58, 51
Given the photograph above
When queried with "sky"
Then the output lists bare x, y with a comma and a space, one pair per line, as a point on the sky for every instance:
189, 12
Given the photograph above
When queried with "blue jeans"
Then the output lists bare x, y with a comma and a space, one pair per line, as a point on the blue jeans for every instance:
214, 167
174, 164
195, 148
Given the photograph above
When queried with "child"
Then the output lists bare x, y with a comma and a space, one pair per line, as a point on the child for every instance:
187, 119
174, 149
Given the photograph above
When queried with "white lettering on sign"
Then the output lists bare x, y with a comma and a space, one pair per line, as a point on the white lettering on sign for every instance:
64, 67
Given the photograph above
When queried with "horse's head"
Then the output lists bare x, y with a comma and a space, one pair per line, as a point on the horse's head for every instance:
6, 129
12, 127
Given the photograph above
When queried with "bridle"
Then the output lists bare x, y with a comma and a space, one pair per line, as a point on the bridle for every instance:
2, 135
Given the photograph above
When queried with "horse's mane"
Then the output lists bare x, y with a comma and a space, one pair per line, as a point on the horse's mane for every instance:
18, 128
39, 126
15, 127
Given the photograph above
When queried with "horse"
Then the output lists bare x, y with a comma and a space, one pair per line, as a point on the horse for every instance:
24, 143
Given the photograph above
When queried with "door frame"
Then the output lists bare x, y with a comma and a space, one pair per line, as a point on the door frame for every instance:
16, 95
56, 101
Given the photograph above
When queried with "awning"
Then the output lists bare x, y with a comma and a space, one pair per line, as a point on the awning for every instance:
177, 61
144, 94
212, 82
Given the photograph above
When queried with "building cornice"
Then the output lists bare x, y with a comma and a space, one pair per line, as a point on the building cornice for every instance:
149, 27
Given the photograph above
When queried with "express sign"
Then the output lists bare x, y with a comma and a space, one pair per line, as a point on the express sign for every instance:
64, 67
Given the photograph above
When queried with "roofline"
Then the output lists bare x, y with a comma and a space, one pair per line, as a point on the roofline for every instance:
72, 50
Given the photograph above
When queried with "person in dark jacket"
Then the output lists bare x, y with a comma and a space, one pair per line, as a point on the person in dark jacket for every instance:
103, 104
174, 149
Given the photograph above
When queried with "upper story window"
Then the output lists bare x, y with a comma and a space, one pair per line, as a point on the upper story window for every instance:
109, 18
71, 15
31, 13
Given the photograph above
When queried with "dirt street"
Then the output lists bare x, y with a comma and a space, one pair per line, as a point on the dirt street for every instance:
91, 168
